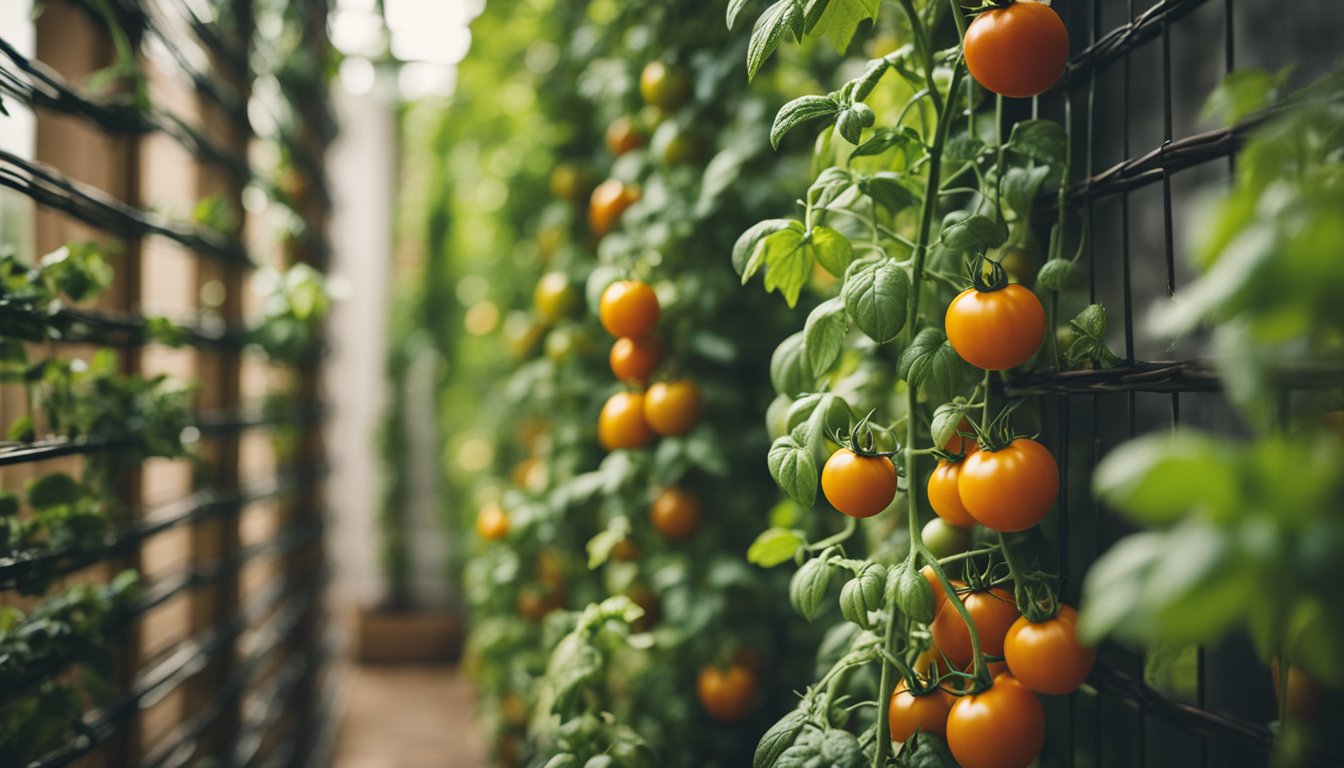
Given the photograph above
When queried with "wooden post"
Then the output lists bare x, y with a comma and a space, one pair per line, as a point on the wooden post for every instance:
75, 46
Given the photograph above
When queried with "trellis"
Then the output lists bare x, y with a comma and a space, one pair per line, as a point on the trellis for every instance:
249, 674
1214, 713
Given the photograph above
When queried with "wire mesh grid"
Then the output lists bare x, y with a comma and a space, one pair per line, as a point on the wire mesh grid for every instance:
265, 645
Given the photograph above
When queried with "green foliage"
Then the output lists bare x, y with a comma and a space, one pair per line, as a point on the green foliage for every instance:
71, 629
294, 306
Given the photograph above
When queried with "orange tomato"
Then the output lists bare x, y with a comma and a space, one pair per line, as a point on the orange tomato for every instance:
1010, 489
621, 423
993, 613
1017, 51
958, 445
726, 694
859, 486
1046, 655
629, 308
492, 522
1001, 727
608, 201
944, 498
622, 136
635, 359
675, 513
939, 596
996, 330
672, 407
909, 713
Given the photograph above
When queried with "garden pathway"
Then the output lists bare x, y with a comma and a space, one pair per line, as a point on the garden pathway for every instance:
408, 717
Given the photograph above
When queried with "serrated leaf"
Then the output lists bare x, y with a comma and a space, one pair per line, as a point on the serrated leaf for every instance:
799, 111
788, 262
792, 467
745, 247
831, 249
876, 294
841, 19
779, 18
824, 335
774, 546
1040, 140
963, 231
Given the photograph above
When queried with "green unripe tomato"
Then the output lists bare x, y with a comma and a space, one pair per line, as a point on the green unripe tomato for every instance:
945, 540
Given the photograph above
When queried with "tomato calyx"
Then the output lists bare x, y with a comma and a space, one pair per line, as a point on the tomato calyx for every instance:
988, 275
863, 443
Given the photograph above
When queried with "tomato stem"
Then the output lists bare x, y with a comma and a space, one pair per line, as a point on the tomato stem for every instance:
851, 525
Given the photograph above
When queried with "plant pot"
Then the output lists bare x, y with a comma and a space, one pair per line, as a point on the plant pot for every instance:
384, 636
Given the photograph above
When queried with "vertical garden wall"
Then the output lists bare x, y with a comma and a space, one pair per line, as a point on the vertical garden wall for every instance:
161, 292
1046, 314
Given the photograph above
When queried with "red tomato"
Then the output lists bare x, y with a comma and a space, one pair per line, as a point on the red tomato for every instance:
909, 713
726, 694
943, 495
993, 613
859, 486
995, 330
1011, 489
1046, 656
1017, 51
1002, 727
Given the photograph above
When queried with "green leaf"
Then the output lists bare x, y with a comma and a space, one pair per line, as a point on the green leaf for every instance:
963, 231
840, 749
887, 191
962, 149
863, 594
1090, 344
931, 363
885, 138
1041, 140
849, 125
824, 335
748, 244
774, 546
21, 429
807, 587
1021, 186
914, 597
841, 18
925, 750
798, 111
794, 470
946, 418
734, 8
864, 84
876, 294
9, 504
832, 250
1159, 479
778, 739
1243, 93
787, 260
54, 490
1059, 275
600, 546
783, 16
788, 368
